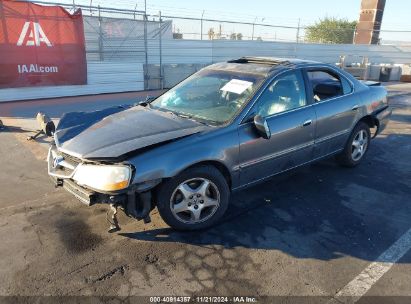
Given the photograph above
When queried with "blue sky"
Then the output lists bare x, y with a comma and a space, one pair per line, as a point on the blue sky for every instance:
397, 14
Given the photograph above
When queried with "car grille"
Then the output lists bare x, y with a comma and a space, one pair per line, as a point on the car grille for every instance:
61, 165
70, 158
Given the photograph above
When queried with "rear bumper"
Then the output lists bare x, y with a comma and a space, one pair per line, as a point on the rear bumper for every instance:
383, 117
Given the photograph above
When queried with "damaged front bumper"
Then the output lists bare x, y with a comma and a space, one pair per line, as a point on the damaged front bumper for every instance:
135, 201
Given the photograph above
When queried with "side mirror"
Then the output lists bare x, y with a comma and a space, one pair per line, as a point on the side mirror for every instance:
262, 127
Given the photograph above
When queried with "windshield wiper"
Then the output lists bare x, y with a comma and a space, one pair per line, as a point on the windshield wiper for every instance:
191, 117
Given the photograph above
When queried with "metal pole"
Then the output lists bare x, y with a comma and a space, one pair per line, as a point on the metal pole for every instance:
161, 52
202, 15
298, 31
354, 34
252, 35
100, 36
145, 46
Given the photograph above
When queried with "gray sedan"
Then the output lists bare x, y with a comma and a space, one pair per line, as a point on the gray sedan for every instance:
227, 127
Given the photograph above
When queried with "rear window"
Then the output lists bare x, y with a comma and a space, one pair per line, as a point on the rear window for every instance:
328, 85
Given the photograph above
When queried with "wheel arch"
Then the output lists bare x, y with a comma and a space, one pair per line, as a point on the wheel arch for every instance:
216, 164
370, 120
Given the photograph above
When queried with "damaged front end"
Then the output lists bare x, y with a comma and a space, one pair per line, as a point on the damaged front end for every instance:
89, 155
106, 188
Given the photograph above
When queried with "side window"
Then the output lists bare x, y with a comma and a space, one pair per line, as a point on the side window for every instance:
285, 93
327, 85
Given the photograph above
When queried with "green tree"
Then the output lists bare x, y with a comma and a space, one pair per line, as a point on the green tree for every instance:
331, 30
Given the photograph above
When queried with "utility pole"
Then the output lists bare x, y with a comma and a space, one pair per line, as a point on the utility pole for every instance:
202, 15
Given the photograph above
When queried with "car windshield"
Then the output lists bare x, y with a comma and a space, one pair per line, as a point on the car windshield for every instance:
209, 96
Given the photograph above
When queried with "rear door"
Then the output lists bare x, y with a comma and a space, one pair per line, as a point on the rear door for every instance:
291, 120
335, 107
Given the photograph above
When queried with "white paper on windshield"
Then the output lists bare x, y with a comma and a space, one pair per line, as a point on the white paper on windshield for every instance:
236, 86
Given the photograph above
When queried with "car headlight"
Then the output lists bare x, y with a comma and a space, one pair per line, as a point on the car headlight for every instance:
103, 177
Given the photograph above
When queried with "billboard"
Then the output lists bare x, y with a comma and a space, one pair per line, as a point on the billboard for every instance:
40, 46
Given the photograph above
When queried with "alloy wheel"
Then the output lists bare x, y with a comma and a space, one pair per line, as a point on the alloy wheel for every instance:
195, 200
359, 145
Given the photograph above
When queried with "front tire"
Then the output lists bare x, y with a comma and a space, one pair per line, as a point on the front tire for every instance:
356, 146
195, 199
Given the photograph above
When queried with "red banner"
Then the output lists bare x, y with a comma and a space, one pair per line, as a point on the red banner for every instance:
40, 46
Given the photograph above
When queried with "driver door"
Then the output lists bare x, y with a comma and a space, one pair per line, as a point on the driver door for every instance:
291, 120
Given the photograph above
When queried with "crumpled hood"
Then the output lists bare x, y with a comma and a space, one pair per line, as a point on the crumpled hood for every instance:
112, 132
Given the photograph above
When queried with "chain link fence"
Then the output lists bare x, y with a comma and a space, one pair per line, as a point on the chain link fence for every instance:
129, 49
210, 29
129, 24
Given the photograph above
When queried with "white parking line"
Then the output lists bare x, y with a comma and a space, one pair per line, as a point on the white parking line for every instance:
359, 286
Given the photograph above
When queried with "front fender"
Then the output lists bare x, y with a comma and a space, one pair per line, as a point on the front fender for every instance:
172, 158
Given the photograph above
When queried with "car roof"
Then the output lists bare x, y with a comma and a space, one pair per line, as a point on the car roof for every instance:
273, 60
263, 66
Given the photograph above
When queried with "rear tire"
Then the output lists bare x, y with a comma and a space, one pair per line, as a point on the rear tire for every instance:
356, 146
195, 199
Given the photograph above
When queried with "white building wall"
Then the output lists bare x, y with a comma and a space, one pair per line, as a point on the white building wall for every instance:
103, 77
122, 68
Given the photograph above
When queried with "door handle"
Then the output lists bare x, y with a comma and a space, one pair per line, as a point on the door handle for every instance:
355, 108
307, 122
